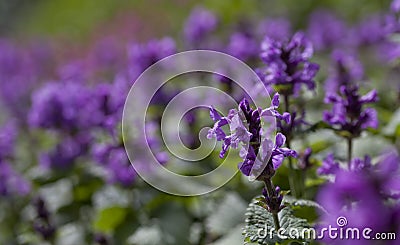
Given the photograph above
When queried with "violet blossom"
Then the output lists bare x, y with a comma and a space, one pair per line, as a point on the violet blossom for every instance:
199, 25
288, 65
245, 126
348, 115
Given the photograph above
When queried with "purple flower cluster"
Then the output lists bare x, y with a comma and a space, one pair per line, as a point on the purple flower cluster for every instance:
65, 106
362, 191
11, 182
199, 25
141, 56
288, 64
326, 30
245, 126
346, 70
348, 115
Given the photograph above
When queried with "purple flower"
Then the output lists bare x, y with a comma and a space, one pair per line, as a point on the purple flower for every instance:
245, 128
347, 113
363, 190
65, 153
274, 202
353, 196
358, 164
67, 106
371, 30
115, 162
11, 182
141, 56
305, 159
20, 71
345, 70
243, 46
326, 30
199, 25
277, 29
287, 64
8, 134
395, 6
329, 166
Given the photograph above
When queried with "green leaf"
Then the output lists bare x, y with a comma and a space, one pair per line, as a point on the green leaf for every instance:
260, 224
293, 202
108, 219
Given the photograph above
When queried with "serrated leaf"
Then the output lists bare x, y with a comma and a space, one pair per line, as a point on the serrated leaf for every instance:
260, 224
291, 201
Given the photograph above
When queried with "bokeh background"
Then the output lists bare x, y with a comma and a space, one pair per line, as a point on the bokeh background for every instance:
65, 178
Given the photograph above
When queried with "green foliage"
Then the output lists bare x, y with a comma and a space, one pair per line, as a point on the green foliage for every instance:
260, 224
108, 219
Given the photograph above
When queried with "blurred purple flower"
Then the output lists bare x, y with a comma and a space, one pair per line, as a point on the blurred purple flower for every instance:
277, 29
370, 31
347, 113
356, 194
11, 182
243, 46
358, 164
288, 65
67, 106
199, 25
141, 56
66, 152
329, 166
346, 70
326, 30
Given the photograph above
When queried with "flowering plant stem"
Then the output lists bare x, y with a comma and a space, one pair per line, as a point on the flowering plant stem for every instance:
292, 173
349, 151
271, 193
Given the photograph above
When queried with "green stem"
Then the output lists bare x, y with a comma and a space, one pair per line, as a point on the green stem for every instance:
292, 174
349, 151
271, 193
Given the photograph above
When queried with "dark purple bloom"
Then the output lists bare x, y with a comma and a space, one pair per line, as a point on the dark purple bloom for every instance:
305, 159
274, 201
329, 166
67, 106
287, 64
42, 223
348, 114
358, 164
245, 127
199, 25
346, 70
